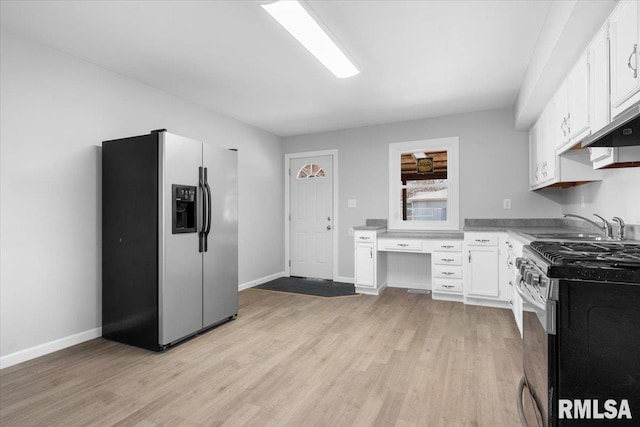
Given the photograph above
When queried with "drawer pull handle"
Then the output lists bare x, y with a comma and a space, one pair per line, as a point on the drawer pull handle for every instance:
448, 286
403, 244
447, 259
482, 240
447, 246
448, 273
365, 238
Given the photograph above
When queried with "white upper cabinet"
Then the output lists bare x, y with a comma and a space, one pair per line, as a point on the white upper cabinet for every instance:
547, 141
625, 38
599, 106
578, 99
603, 83
549, 169
534, 165
542, 150
561, 108
572, 107
601, 101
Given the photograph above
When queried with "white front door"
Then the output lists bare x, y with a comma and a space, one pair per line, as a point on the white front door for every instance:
311, 210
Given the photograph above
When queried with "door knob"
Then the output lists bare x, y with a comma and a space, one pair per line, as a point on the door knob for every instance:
328, 227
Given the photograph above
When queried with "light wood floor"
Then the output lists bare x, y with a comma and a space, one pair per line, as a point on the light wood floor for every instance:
397, 359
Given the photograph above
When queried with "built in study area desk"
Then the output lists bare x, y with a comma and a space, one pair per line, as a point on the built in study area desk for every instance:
398, 259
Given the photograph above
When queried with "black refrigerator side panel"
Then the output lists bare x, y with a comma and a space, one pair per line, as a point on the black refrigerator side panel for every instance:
130, 241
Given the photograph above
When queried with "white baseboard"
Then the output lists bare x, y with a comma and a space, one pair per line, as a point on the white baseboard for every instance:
446, 297
59, 344
260, 281
370, 291
487, 303
409, 285
344, 279
49, 347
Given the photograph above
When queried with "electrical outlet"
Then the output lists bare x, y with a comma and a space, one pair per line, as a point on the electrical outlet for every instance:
350, 231
351, 203
506, 203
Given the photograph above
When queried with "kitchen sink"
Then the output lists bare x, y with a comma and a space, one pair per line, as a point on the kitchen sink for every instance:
569, 236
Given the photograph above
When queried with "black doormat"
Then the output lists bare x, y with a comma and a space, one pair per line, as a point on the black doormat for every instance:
315, 287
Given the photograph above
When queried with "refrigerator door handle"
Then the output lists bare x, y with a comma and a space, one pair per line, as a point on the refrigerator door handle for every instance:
208, 228
201, 234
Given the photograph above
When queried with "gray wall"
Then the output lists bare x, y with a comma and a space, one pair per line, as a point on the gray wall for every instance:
493, 164
56, 110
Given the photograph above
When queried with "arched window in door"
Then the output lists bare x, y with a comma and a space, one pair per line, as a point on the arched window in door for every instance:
310, 170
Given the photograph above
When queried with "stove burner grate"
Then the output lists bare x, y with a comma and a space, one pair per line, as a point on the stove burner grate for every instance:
593, 254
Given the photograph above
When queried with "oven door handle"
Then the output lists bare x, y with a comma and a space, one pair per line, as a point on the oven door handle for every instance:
521, 385
539, 308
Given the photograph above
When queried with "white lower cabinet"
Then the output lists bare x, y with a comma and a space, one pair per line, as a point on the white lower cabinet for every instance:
369, 272
516, 307
485, 269
483, 276
365, 265
446, 270
514, 248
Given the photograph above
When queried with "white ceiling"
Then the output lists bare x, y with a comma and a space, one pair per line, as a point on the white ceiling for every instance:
417, 58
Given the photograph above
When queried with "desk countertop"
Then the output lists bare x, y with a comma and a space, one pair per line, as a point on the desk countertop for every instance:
444, 235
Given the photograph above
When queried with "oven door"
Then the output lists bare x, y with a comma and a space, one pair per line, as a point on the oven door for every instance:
538, 342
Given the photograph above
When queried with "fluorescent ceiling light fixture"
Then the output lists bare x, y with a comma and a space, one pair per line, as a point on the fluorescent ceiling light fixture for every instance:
419, 155
295, 19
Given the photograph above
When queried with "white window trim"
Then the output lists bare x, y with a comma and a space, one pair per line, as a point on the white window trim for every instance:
316, 175
451, 145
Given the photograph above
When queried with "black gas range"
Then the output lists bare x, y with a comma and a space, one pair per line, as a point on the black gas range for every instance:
581, 333
599, 260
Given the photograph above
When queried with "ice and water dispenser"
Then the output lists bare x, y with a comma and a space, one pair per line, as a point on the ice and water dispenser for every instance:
184, 209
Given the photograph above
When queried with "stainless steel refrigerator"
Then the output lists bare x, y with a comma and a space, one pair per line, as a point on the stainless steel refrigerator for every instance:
169, 238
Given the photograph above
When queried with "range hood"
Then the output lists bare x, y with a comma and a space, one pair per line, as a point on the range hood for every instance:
623, 131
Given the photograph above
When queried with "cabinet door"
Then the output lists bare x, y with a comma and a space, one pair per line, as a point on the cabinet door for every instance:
482, 272
599, 106
534, 169
561, 119
547, 146
364, 265
578, 99
625, 80
517, 310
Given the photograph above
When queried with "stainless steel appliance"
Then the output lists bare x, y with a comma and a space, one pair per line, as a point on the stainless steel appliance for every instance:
623, 131
581, 334
169, 238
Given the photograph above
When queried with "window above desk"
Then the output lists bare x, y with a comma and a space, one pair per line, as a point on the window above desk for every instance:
424, 185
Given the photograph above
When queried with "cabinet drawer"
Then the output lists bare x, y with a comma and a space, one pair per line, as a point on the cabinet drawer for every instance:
449, 246
414, 245
446, 259
481, 239
447, 272
444, 285
365, 236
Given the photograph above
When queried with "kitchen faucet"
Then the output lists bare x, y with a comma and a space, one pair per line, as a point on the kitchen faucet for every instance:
605, 227
620, 227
